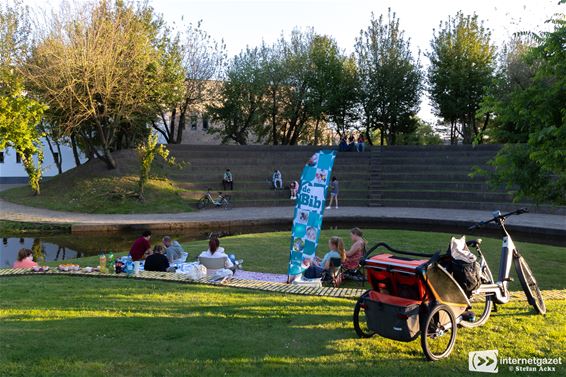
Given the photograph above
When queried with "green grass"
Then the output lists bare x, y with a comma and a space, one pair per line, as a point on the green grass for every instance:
71, 326
103, 195
24, 228
269, 252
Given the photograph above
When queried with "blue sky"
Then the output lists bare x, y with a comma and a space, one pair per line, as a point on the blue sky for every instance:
241, 23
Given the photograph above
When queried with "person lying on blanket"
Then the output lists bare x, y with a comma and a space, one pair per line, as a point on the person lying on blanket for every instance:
317, 268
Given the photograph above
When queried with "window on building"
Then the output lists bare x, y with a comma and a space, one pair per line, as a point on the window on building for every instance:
194, 120
56, 157
1, 157
18, 158
205, 122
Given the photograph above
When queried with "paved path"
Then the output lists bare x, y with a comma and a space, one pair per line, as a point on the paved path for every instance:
17, 212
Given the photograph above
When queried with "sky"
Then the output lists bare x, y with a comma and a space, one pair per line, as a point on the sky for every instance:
247, 23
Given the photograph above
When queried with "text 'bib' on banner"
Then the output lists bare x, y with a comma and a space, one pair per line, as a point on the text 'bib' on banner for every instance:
309, 208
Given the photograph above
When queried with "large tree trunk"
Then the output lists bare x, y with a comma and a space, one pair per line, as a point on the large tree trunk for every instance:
75, 150
56, 159
182, 120
107, 154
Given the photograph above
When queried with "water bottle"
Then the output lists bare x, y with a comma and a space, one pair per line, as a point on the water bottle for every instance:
102, 262
129, 266
110, 262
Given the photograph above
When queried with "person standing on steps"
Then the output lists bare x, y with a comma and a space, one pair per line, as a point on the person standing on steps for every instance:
228, 180
334, 190
361, 143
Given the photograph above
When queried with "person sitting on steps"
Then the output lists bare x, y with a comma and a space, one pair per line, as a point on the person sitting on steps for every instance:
277, 180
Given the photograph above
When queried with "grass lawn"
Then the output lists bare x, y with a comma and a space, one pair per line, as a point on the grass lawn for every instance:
23, 228
74, 326
269, 252
103, 195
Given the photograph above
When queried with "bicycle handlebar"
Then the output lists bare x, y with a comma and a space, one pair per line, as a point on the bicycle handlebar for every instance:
498, 217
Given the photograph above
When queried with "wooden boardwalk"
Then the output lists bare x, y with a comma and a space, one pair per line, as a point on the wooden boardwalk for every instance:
351, 293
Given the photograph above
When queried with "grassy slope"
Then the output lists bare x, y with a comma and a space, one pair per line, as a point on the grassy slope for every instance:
94, 189
269, 252
23, 228
65, 326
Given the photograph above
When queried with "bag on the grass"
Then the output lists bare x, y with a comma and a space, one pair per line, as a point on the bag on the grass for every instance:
221, 274
464, 266
194, 271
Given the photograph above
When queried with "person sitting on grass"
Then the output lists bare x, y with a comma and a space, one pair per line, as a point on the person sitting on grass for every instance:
25, 259
318, 268
157, 261
140, 248
356, 252
215, 251
173, 249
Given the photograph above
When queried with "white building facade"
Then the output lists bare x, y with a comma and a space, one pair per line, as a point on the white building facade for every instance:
12, 169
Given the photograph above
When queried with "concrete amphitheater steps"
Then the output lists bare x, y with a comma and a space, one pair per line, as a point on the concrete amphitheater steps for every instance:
252, 167
439, 177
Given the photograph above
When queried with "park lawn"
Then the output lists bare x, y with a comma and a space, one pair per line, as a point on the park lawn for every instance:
79, 326
8, 227
109, 194
269, 252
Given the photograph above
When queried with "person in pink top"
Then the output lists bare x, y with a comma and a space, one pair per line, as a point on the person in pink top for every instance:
25, 259
356, 252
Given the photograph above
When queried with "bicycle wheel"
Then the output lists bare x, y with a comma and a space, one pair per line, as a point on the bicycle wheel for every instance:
529, 284
487, 304
227, 203
203, 202
438, 333
360, 322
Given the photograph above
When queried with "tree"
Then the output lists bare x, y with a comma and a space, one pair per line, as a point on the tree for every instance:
193, 61
461, 67
390, 79
96, 69
242, 95
531, 117
19, 112
147, 152
423, 135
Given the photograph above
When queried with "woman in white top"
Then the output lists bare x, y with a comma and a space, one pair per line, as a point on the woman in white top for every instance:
215, 251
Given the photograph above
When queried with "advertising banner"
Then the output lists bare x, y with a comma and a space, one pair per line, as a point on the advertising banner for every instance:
309, 208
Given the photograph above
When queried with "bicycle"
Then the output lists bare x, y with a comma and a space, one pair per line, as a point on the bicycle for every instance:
420, 297
221, 201
498, 291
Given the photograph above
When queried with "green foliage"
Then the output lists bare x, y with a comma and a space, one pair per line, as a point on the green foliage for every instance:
461, 68
423, 135
147, 153
19, 112
390, 79
529, 103
284, 93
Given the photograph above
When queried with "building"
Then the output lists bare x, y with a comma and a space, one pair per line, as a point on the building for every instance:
12, 170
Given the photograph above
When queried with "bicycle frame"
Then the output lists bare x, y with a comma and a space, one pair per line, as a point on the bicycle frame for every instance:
508, 252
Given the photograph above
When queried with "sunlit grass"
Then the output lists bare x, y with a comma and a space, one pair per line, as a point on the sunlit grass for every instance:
68, 326
103, 195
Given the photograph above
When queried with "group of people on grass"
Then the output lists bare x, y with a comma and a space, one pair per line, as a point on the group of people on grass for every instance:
350, 259
169, 252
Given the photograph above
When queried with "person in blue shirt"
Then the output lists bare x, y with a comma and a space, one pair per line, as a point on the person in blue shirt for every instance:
317, 268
